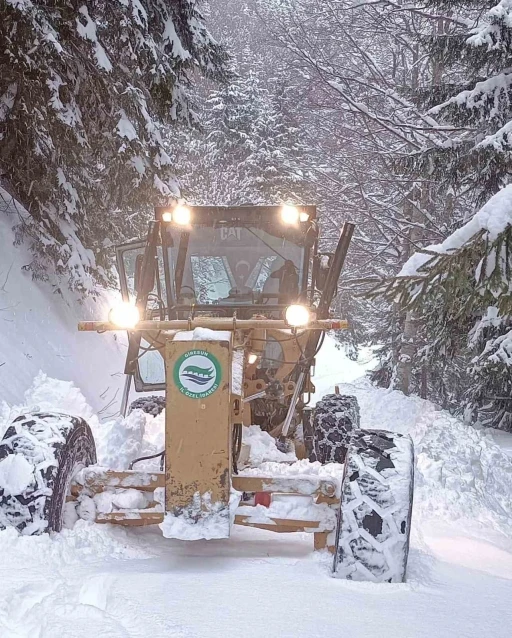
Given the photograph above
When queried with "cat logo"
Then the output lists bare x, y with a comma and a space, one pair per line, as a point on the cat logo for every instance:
230, 233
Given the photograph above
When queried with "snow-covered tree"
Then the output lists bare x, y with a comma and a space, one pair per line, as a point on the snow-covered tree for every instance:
356, 66
473, 96
86, 91
246, 151
466, 324
462, 289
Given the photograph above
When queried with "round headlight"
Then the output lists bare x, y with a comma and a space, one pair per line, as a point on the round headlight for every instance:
297, 315
124, 315
290, 215
181, 215
167, 216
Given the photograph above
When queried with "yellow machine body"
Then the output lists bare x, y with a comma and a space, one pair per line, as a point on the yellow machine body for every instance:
198, 428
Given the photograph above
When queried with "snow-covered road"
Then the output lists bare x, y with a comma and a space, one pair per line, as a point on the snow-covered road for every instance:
95, 582
98, 582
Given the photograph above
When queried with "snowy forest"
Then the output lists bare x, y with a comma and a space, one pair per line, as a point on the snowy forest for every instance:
255, 318
393, 115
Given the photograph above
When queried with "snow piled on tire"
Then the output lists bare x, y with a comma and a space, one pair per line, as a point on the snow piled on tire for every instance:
28, 467
39, 454
376, 504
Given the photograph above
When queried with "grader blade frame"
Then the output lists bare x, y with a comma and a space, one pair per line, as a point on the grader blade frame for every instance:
205, 404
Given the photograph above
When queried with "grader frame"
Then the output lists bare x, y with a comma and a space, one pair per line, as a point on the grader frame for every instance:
216, 379
199, 476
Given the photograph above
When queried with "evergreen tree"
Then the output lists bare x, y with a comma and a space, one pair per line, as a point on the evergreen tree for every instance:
462, 289
86, 91
246, 150
472, 97
457, 292
356, 64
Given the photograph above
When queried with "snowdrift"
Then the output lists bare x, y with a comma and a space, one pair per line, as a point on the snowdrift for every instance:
76, 583
461, 472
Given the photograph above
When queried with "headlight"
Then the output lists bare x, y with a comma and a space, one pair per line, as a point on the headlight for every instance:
124, 315
297, 315
181, 215
290, 215
304, 217
252, 358
167, 216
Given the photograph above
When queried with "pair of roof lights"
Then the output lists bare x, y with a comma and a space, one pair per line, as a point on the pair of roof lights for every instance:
182, 215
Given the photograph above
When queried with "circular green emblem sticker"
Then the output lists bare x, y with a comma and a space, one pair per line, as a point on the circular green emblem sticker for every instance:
197, 374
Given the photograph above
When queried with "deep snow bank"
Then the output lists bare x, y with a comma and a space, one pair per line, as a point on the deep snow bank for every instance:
461, 472
95, 579
38, 331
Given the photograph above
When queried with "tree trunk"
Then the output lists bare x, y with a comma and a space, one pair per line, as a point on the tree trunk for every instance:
407, 353
412, 205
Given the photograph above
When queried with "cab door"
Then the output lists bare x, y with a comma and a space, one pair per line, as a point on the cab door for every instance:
143, 362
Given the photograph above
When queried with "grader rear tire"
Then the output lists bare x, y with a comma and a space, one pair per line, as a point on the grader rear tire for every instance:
153, 404
335, 419
39, 455
372, 540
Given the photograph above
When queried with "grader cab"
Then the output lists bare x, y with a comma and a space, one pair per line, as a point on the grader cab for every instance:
244, 263
226, 309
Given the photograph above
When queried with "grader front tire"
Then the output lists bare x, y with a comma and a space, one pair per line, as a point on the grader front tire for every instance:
45, 450
372, 540
335, 419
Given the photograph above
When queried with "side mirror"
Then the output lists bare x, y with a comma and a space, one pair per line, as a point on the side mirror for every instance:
323, 265
137, 273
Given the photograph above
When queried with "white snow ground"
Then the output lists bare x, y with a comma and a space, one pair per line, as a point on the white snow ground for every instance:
95, 581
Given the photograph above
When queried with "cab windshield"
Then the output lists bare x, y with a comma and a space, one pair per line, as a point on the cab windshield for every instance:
217, 269
232, 265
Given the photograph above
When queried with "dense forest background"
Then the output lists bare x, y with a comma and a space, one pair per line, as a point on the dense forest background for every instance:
393, 115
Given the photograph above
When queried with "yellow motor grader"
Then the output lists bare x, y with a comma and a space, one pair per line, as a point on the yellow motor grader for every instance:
226, 309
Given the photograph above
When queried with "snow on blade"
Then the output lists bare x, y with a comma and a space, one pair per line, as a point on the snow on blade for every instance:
292, 507
203, 520
263, 447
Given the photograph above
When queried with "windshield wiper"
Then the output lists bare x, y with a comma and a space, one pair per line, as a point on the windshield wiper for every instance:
267, 245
